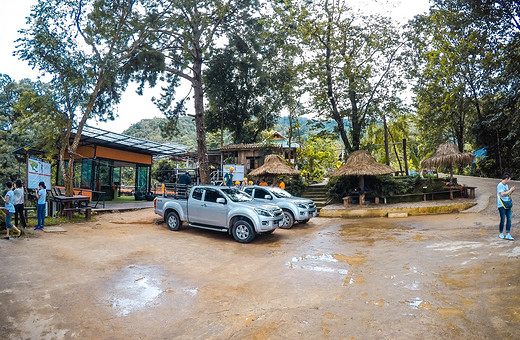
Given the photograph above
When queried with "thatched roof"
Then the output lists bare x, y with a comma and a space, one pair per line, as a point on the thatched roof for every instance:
274, 165
448, 155
362, 163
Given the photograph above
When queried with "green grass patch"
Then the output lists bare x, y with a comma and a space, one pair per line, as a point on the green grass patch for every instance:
122, 199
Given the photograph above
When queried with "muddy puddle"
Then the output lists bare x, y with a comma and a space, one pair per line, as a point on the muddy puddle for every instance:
138, 288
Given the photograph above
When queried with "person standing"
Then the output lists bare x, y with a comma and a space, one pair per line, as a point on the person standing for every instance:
9, 207
504, 205
228, 177
19, 201
41, 195
183, 183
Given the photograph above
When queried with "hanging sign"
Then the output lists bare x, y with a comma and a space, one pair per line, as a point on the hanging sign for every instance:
38, 171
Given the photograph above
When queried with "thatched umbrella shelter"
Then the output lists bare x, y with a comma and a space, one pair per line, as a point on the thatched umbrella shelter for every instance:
273, 166
361, 163
448, 155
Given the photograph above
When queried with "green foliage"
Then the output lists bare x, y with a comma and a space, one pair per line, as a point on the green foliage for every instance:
316, 157
89, 50
245, 83
163, 171
151, 129
295, 185
469, 66
450, 79
381, 186
189, 32
350, 63
403, 126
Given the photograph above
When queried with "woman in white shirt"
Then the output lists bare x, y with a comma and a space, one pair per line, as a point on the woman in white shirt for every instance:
19, 201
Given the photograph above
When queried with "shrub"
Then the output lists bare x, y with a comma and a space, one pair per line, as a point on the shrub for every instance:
382, 186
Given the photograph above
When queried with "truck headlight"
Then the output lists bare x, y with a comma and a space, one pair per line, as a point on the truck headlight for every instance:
303, 206
263, 212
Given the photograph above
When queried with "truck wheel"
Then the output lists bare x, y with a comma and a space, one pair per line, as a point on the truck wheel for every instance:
243, 231
173, 221
288, 220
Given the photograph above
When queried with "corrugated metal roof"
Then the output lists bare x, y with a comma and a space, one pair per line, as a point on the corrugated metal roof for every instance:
99, 136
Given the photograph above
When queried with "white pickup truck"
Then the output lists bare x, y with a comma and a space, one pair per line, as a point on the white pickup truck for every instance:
295, 209
225, 209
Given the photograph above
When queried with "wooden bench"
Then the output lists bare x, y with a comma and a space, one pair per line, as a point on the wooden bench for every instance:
83, 210
26, 210
348, 200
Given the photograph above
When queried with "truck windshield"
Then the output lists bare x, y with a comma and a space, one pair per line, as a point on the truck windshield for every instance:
236, 195
280, 193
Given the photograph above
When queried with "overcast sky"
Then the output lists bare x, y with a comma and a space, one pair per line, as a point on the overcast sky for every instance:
133, 107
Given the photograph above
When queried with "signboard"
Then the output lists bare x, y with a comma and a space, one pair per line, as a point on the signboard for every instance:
38, 171
238, 172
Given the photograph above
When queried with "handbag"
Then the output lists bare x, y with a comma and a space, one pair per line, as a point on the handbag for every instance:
506, 204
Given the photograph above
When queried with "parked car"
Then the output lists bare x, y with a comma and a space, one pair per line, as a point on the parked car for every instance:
224, 209
295, 209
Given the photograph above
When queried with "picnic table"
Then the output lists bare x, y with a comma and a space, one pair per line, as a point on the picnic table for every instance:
70, 204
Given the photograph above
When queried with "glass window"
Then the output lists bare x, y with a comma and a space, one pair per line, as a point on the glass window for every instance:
260, 193
143, 173
117, 176
86, 174
212, 195
249, 190
197, 194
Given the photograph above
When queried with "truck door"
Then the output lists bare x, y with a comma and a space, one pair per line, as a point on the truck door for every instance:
196, 206
215, 214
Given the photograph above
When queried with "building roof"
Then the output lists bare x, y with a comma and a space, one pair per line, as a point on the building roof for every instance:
93, 135
251, 146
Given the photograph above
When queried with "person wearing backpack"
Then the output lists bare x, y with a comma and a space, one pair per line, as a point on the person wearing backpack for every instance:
504, 205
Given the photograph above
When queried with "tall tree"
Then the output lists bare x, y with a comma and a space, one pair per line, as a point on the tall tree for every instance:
479, 41
450, 55
246, 83
90, 49
351, 63
189, 32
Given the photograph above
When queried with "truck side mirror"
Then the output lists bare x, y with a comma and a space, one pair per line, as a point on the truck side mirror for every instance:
268, 197
221, 200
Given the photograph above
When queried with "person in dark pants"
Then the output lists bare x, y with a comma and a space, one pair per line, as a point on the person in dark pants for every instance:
41, 195
19, 201
504, 207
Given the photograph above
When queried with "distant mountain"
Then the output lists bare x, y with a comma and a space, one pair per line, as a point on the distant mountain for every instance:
150, 129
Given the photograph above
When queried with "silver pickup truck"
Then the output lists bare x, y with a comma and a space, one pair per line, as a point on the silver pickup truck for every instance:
225, 209
295, 209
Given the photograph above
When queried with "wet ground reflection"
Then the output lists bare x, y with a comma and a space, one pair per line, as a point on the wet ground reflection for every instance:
318, 263
138, 287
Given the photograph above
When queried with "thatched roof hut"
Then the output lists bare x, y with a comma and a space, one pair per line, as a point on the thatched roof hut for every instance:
274, 165
361, 163
448, 155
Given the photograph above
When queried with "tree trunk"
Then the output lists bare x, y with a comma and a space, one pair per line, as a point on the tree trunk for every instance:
387, 153
205, 176
330, 93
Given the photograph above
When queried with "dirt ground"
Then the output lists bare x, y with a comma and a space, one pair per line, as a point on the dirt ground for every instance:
126, 276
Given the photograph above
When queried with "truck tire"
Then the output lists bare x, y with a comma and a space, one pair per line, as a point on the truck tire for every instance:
173, 221
288, 219
243, 231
